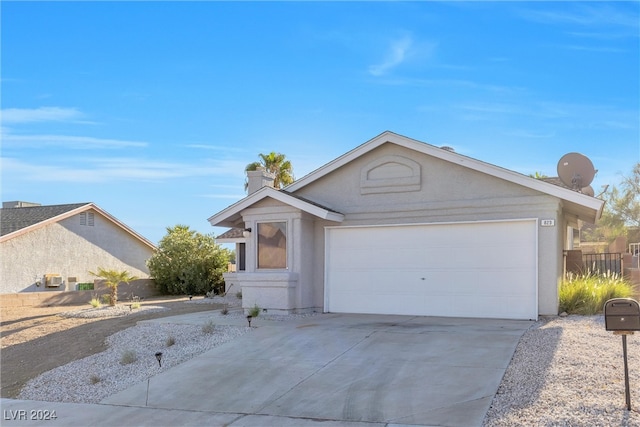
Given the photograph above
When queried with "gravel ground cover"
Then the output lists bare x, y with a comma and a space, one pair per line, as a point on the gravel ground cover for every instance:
93, 378
568, 372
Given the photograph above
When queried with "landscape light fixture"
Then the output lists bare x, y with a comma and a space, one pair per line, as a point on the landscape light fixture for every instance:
249, 317
159, 357
246, 232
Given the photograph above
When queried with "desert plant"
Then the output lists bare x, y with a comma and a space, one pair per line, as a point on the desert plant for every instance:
95, 303
170, 341
113, 278
135, 305
105, 298
255, 311
586, 293
128, 357
208, 327
94, 379
224, 311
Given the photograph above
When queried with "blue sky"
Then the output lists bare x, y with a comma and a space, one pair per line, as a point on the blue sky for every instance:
152, 110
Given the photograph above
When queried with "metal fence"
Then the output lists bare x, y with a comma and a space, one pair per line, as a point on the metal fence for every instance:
602, 263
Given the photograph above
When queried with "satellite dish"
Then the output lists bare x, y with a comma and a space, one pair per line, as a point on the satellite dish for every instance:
576, 171
588, 190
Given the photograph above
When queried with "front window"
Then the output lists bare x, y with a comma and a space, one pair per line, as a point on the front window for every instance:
272, 245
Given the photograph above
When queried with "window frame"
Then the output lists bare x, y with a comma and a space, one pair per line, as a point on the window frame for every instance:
286, 244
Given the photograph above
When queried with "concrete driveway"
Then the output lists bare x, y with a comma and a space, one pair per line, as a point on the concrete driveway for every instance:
324, 370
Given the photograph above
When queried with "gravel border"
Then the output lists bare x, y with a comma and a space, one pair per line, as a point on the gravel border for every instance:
94, 378
111, 311
568, 372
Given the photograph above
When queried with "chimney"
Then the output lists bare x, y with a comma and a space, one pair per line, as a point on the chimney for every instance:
19, 204
259, 178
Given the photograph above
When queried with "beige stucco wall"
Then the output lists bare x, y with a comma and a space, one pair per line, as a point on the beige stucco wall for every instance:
448, 193
435, 191
69, 249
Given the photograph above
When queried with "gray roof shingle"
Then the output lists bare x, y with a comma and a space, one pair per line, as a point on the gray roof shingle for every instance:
14, 219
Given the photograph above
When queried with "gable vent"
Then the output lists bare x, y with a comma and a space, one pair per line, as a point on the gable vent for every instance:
87, 218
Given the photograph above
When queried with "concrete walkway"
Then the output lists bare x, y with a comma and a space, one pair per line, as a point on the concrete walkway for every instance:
325, 370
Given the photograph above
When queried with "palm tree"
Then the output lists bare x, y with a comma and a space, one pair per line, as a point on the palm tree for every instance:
538, 175
276, 164
112, 279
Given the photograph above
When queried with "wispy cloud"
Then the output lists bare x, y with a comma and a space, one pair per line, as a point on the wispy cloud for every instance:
589, 48
522, 133
113, 169
587, 15
214, 147
454, 83
396, 54
579, 116
67, 141
41, 114
399, 51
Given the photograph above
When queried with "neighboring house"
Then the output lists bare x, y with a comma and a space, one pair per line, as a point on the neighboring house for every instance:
51, 248
397, 226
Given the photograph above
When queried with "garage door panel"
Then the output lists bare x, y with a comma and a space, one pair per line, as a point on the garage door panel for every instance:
471, 269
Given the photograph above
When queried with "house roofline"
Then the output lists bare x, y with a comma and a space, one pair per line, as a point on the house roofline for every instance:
71, 213
452, 157
222, 217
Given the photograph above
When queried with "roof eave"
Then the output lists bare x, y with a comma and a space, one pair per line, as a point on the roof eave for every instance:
71, 213
230, 216
468, 162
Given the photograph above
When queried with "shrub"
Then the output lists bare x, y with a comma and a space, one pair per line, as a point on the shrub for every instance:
188, 262
224, 311
208, 327
128, 357
105, 298
135, 305
170, 341
94, 379
95, 303
255, 311
586, 293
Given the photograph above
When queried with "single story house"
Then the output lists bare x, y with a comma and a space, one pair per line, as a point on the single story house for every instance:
54, 247
398, 226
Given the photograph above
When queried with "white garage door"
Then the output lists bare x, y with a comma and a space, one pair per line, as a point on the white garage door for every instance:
478, 269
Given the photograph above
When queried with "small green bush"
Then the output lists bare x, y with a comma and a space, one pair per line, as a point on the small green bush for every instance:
135, 305
128, 357
208, 327
95, 303
105, 298
255, 311
586, 294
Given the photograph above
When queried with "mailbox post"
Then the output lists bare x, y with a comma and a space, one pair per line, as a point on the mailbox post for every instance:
622, 316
